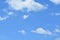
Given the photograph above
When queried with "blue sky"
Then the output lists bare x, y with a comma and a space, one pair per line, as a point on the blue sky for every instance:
30, 20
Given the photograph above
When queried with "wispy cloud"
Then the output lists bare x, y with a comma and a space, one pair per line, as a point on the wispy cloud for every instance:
55, 14
10, 13
27, 4
41, 31
55, 1
57, 30
22, 31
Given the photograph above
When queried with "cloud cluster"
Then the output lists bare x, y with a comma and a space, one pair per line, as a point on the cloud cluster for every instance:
29, 5
55, 1
41, 31
7, 16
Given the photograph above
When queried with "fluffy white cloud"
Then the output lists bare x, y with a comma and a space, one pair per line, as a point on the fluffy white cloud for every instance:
41, 31
22, 31
25, 16
27, 4
55, 1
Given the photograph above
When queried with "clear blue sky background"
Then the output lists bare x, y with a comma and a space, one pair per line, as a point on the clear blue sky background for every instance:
9, 27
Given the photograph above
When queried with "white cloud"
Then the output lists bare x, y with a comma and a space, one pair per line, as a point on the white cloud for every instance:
28, 4
25, 16
3, 18
55, 1
57, 30
22, 31
41, 31
10, 13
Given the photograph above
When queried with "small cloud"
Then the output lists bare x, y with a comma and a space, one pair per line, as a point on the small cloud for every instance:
41, 31
57, 30
30, 5
10, 13
22, 31
2, 18
25, 16
55, 14
55, 1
